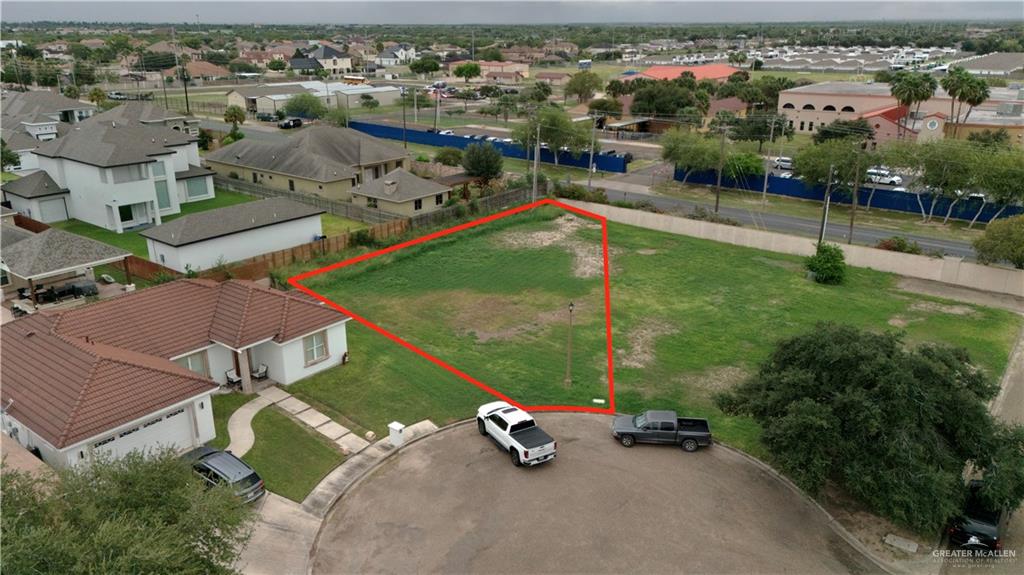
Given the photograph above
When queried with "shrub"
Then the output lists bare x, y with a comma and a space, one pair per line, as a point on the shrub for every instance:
899, 244
364, 238
705, 215
449, 156
483, 161
580, 192
474, 206
1003, 240
162, 278
828, 265
422, 158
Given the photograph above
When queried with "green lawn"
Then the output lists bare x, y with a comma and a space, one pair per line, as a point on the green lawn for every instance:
223, 406
8, 177
839, 214
691, 317
290, 457
336, 225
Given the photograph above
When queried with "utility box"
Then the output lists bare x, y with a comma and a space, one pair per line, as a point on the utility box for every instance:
396, 433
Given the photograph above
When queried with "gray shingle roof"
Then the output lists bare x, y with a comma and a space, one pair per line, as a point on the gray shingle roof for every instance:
326, 53
193, 172
35, 185
229, 220
39, 102
319, 153
400, 186
106, 143
138, 111
304, 64
55, 250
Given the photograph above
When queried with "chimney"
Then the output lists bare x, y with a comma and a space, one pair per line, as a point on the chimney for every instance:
390, 186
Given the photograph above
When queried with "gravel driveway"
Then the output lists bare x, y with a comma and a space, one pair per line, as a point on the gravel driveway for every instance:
453, 503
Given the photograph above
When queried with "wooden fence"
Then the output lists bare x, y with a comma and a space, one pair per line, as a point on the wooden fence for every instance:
345, 209
27, 223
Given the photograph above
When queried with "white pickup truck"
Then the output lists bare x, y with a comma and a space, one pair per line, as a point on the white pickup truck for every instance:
515, 432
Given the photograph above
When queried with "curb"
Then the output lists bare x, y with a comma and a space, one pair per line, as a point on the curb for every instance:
833, 523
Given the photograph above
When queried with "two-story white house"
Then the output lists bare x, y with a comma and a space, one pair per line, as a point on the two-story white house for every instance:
121, 175
332, 60
396, 55
31, 118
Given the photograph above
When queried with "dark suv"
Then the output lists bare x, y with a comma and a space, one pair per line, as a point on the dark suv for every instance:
978, 527
221, 467
289, 123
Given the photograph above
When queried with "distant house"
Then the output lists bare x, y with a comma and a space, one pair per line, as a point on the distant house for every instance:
553, 78
246, 96
320, 160
401, 192
487, 67
504, 77
732, 105
396, 55
93, 43
23, 134
45, 103
149, 113
137, 372
200, 70
203, 240
307, 66
123, 174
331, 60
165, 47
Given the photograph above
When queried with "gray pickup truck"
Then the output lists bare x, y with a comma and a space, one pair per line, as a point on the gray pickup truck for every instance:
662, 427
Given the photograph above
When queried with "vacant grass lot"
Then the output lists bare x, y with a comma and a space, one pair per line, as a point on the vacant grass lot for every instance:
691, 317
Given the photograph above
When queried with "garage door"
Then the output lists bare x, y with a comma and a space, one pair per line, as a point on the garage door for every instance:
173, 430
54, 210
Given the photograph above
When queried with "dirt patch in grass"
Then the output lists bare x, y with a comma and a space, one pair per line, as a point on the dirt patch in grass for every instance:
902, 321
641, 343
716, 379
647, 252
786, 265
588, 261
930, 306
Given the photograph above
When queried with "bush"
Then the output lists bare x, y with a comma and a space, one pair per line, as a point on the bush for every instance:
162, 278
828, 265
482, 160
364, 238
705, 215
422, 158
899, 244
449, 156
580, 192
1003, 240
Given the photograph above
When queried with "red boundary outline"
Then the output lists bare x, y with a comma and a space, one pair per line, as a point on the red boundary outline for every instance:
295, 282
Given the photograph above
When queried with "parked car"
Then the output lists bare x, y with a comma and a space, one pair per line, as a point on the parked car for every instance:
662, 427
117, 96
447, 132
218, 467
265, 117
289, 123
515, 432
884, 176
978, 527
784, 163
786, 175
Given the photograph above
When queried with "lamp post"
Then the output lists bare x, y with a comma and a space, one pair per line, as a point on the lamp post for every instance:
568, 357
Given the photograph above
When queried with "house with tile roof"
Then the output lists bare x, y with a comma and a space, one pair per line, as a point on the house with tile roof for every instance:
122, 173
320, 160
203, 240
111, 377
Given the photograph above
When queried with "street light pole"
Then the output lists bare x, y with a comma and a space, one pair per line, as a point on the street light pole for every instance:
824, 211
764, 187
568, 357
536, 162
590, 164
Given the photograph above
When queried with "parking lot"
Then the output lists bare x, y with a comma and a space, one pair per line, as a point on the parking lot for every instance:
454, 503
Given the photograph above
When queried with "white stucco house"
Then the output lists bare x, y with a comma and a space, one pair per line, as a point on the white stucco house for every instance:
32, 118
204, 240
123, 174
137, 372
38, 197
396, 55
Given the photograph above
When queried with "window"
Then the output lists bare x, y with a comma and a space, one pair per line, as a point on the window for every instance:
126, 213
132, 173
196, 362
497, 420
667, 426
417, 205
254, 177
291, 185
159, 169
315, 347
4, 280
801, 126
196, 188
848, 109
103, 175
810, 127
163, 199
788, 106
808, 106
438, 199
371, 202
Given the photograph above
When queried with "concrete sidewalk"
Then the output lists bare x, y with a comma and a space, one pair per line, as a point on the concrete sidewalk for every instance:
281, 539
240, 426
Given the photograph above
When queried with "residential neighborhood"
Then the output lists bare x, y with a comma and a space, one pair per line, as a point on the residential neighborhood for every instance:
443, 287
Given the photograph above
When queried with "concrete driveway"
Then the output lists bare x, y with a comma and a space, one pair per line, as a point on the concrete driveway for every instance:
453, 503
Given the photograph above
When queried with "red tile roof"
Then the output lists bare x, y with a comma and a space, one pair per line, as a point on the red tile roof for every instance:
731, 104
68, 389
892, 113
707, 71
78, 373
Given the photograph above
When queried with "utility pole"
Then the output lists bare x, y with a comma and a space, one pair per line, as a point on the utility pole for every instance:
764, 186
536, 162
415, 108
437, 108
824, 211
568, 357
405, 141
721, 164
590, 164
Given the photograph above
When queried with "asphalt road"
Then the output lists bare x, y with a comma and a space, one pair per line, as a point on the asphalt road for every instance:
453, 503
635, 187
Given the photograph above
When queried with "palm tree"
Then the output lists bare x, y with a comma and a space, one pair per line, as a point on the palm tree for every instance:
924, 89
901, 87
910, 89
234, 115
974, 94
956, 80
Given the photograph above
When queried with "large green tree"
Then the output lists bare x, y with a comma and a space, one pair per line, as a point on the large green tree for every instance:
234, 115
892, 426
482, 160
847, 160
839, 129
305, 106
557, 130
467, 71
10, 157
583, 85
689, 151
134, 515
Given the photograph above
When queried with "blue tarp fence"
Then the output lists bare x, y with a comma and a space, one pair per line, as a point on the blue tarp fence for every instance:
882, 199
604, 162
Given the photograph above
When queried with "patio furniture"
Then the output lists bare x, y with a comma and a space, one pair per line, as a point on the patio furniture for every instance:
233, 377
107, 279
260, 372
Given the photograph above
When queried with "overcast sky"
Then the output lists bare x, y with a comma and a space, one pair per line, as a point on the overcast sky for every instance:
503, 12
